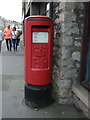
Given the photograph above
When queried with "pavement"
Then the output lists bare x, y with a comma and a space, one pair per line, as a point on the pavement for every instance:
12, 94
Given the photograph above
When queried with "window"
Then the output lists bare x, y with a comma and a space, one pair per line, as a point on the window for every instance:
46, 9
85, 65
49, 10
28, 1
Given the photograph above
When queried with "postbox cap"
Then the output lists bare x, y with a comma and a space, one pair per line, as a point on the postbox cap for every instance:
40, 17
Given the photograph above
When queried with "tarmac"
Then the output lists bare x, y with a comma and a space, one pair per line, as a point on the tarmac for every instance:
12, 94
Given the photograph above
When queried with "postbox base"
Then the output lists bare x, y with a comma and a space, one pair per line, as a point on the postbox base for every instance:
38, 96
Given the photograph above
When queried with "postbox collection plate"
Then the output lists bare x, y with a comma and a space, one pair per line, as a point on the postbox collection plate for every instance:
40, 37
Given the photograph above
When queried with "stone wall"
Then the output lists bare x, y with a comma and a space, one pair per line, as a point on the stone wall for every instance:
68, 36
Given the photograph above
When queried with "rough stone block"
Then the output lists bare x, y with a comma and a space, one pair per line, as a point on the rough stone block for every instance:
65, 84
76, 56
67, 63
76, 43
67, 41
65, 100
69, 6
67, 73
65, 53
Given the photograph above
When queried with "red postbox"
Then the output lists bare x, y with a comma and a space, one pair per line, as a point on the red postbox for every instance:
38, 56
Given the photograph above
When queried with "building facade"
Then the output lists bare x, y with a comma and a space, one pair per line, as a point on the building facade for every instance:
71, 53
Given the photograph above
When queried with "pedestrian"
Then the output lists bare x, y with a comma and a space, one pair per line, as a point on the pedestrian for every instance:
14, 38
18, 37
8, 36
1, 39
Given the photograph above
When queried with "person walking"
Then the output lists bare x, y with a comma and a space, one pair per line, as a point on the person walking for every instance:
18, 36
14, 38
8, 37
1, 39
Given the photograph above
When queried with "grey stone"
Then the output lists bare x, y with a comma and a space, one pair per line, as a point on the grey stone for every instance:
58, 62
56, 10
76, 43
76, 56
61, 17
69, 16
58, 52
67, 73
65, 93
67, 41
68, 29
64, 84
65, 53
78, 65
65, 27
57, 20
81, 6
62, 5
69, 6
67, 63
78, 38
65, 100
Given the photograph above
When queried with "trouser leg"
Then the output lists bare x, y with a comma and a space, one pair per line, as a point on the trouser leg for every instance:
13, 41
10, 42
16, 44
7, 44
18, 40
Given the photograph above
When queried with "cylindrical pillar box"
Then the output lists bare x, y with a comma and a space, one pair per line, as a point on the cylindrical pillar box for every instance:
38, 59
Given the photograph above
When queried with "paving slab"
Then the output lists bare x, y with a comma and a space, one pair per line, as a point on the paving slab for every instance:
13, 105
